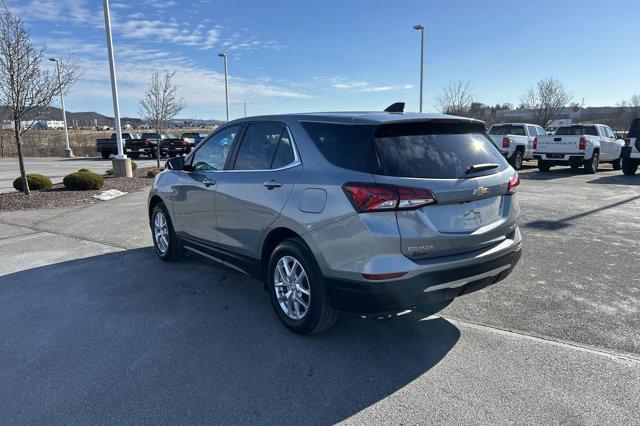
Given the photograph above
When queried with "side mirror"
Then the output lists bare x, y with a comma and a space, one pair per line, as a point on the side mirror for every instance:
175, 163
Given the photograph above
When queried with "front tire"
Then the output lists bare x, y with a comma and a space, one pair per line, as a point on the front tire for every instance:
165, 241
516, 160
297, 290
617, 165
544, 166
629, 166
591, 165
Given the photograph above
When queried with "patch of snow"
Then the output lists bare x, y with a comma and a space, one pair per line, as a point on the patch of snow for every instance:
109, 195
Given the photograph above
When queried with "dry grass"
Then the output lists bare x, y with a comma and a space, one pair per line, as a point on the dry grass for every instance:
50, 143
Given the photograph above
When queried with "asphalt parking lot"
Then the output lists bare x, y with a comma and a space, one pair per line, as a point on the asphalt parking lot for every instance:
94, 328
56, 168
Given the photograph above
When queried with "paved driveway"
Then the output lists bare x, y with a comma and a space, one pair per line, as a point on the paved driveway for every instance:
94, 328
56, 168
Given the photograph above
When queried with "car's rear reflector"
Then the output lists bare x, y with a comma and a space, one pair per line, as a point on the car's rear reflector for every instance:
370, 197
377, 277
514, 183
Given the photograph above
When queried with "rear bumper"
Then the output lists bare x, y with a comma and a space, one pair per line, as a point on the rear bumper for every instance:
425, 289
629, 152
559, 157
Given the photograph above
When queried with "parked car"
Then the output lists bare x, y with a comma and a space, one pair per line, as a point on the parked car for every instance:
631, 149
172, 146
577, 145
374, 213
106, 147
516, 141
193, 138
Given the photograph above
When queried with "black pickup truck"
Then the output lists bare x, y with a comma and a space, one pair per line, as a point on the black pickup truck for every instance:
172, 146
106, 147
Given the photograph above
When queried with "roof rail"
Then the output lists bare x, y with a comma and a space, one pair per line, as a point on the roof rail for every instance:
396, 107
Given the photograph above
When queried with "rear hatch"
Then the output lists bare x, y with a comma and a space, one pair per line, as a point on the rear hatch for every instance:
566, 140
472, 209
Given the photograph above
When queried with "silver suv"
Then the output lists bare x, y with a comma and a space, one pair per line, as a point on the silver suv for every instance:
373, 212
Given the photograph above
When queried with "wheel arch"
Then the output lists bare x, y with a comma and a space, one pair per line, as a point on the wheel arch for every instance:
153, 202
273, 238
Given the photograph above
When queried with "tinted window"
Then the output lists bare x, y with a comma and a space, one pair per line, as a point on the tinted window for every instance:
434, 150
258, 146
284, 152
149, 136
507, 129
634, 131
577, 130
213, 154
344, 145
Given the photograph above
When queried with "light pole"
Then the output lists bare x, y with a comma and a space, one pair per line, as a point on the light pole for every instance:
421, 28
226, 87
121, 164
67, 149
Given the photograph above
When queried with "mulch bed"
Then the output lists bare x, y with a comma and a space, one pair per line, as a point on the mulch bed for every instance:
59, 196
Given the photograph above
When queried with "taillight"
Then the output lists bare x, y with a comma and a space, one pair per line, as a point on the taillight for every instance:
368, 197
583, 143
535, 143
145, 142
184, 142
514, 183
627, 142
506, 142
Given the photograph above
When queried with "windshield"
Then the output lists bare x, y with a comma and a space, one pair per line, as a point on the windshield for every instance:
507, 129
577, 130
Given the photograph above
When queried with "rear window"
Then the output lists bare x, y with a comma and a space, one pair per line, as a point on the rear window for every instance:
634, 131
577, 130
442, 150
507, 130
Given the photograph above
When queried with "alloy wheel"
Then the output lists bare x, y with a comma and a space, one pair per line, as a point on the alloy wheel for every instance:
292, 287
161, 231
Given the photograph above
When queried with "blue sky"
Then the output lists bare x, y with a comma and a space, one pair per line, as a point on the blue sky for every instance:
288, 56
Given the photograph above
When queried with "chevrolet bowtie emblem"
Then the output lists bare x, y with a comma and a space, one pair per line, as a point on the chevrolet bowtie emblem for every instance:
480, 191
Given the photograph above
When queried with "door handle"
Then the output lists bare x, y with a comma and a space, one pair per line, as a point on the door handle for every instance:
272, 184
208, 182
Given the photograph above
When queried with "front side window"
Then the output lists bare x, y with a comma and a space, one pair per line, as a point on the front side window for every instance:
610, 133
541, 131
259, 146
213, 154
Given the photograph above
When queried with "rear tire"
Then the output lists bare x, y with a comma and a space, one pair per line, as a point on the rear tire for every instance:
591, 165
105, 155
617, 165
629, 166
318, 315
516, 160
165, 241
544, 166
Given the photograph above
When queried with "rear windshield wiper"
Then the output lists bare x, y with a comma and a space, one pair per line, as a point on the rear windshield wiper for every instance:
475, 168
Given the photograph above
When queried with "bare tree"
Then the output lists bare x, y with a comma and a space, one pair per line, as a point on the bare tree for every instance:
546, 100
456, 98
160, 104
25, 87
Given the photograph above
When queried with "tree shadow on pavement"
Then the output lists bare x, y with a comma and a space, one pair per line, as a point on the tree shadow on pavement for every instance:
125, 337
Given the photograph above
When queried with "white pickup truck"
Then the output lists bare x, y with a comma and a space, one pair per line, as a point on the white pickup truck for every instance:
631, 149
516, 141
577, 145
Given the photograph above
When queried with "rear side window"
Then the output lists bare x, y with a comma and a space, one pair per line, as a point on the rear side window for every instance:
577, 130
345, 145
507, 129
434, 150
259, 146
532, 131
634, 131
284, 152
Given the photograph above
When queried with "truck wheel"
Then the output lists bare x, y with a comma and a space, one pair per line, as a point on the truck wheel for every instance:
617, 165
544, 166
629, 166
516, 160
297, 290
591, 165
105, 155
